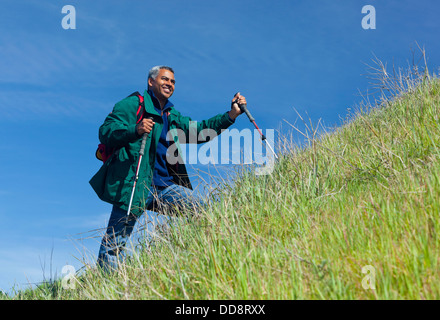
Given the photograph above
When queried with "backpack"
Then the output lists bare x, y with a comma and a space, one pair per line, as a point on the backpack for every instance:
104, 152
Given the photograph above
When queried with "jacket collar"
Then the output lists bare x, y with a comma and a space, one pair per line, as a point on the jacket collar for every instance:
156, 103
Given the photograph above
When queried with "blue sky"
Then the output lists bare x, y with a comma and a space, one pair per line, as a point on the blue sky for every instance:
57, 86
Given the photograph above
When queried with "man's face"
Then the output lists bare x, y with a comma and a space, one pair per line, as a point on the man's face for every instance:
163, 85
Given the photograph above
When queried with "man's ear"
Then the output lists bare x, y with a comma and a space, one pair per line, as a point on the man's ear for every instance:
150, 82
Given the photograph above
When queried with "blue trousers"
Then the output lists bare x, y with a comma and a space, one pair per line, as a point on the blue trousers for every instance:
162, 200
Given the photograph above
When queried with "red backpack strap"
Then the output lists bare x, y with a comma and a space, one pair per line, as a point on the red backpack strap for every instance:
141, 108
103, 152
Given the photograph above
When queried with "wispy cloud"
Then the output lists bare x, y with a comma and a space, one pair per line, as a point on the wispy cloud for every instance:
24, 105
47, 54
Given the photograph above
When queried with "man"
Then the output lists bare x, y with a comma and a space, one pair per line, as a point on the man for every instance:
162, 185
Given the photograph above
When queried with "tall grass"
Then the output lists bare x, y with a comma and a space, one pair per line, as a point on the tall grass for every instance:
364, 194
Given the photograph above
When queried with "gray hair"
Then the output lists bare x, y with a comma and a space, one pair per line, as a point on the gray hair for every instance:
155, 71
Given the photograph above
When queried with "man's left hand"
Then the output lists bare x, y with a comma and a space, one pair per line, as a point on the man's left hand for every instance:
235, 109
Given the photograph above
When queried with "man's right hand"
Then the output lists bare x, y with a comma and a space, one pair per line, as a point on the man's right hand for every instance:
145, 126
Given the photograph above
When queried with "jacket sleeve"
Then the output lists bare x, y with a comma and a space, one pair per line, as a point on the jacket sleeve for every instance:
202, 131
119, 127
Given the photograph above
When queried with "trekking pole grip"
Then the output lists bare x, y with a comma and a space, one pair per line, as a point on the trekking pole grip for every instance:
244, 109
144, 141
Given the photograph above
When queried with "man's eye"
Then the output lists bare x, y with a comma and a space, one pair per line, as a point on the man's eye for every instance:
166, 79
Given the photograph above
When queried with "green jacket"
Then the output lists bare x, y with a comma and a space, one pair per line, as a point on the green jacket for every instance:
113, 183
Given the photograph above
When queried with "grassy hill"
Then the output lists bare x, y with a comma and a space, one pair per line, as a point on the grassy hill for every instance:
363, 197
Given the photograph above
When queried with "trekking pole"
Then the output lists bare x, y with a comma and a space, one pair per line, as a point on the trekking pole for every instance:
244, 109
141, 153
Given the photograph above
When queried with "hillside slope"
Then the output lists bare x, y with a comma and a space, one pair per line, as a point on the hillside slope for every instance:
364, 197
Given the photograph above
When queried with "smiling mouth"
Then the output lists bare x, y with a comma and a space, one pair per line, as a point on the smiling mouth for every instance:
166, 89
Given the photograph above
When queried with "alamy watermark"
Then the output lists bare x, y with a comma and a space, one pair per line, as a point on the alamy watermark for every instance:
68, 280
369, 281
369, 20
69, 20
230, 147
